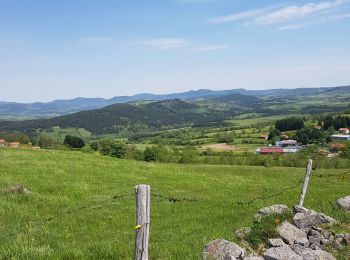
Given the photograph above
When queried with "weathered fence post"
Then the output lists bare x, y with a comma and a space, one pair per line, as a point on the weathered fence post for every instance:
142, 221
306, 182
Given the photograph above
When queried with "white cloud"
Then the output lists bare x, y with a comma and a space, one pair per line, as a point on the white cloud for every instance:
211, 48
290, 27
237, 16
319, 21
293, 12
166, 43
305, 14
334, 18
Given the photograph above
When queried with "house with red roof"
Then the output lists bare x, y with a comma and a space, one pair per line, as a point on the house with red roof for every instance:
270, 150
284, 146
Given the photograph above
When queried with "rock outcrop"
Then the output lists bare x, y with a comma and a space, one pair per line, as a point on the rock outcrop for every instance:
292, 235
276, 242
281, 253
305, 218
274, 209
344, 203
310, 254
307, 239
222, 249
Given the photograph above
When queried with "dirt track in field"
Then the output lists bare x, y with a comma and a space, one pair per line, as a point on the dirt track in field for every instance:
219, 147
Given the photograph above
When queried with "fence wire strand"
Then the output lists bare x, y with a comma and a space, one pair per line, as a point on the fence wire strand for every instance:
340, 175
96, 204
161, 199
68, 212
172, 198
243, 203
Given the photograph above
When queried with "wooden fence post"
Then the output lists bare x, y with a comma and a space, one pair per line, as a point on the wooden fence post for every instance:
142, 221
306, 182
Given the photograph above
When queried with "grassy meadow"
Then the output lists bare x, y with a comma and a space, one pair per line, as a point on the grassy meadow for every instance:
99, 228
58, 134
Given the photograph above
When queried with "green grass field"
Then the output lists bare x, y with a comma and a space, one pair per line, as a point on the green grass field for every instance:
58, 134
62, 181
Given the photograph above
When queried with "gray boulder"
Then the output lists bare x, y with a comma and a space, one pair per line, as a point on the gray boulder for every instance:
275, 242
344, 203
222, 249
281, 253
314, 240
274, 209
292, 235
253, 258
310, 254
305, 218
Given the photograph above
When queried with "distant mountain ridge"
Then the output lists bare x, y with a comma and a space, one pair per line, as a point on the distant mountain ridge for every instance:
63, 107
202, 108
117, 118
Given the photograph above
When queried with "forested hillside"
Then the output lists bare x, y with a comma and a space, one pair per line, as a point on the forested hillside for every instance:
121, 117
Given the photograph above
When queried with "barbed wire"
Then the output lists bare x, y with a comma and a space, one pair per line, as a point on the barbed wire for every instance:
243, 203
93, 205
161, 198
173, 199
69, 212
341, 175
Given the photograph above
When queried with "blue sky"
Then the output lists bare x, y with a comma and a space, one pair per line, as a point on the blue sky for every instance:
54, 49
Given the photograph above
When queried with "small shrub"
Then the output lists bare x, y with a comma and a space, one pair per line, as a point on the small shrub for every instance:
87, 149
105, 146
94, 146
118, 150
44, 141
189, 155
264, 229
74, 142
150, 154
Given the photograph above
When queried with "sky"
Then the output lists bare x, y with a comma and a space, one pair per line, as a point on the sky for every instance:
60, 49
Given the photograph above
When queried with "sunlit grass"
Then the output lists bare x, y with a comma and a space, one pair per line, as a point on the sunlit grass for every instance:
62, 181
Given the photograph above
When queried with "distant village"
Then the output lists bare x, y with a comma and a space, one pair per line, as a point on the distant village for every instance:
285, 145
292, 146
4, 143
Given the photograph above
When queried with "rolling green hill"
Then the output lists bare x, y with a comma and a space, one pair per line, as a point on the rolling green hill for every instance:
139, 117
15, 110
70, 213
125, 117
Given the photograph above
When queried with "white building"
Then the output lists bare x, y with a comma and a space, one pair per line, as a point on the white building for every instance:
341, 137
344, 131
286, 143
